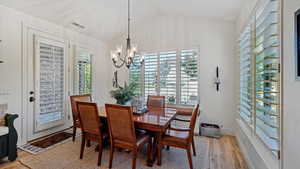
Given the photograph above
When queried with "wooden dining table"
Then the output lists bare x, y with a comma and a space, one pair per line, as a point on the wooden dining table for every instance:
155, 121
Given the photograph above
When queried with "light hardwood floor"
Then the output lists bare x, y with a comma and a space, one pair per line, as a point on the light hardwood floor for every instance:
221, 153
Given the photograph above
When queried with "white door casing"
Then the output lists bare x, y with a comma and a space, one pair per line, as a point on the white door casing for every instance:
32, 125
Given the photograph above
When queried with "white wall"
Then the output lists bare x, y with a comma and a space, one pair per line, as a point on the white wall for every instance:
216, 41
11, 52
291, 90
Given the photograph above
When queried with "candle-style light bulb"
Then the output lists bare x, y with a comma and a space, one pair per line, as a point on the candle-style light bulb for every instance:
142, 58
119, 49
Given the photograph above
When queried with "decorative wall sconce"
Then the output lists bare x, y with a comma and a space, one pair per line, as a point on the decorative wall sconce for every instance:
217, 79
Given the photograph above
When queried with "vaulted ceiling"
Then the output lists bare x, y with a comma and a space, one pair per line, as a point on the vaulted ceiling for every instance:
104, 19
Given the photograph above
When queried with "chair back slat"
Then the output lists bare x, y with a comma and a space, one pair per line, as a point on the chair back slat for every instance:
194, 120
78, 98
89, 117
156, 101
121, 124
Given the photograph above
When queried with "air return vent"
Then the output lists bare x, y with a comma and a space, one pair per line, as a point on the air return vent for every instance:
78, 25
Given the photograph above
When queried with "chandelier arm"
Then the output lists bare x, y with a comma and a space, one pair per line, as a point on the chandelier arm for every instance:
122, 59
118, 66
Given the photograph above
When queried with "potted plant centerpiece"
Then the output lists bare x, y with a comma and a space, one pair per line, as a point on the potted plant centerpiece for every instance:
125, 94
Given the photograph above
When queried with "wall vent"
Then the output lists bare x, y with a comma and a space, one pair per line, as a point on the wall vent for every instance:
78, 25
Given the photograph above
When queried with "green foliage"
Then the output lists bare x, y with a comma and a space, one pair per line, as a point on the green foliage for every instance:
165, 69
171, 99
124, 94
189, 66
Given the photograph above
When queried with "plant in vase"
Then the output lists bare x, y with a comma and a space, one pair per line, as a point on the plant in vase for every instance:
171, 100
124, 94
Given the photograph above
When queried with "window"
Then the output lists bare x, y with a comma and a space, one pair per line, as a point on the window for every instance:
246, 79
82, 72
189, 77
260, 75
150, 74
135, 76
167, 76
173, 74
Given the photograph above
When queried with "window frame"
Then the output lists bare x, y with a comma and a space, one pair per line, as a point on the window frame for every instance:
178, 73
76, 49
257, 16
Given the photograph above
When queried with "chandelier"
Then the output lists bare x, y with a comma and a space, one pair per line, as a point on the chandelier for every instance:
120, 56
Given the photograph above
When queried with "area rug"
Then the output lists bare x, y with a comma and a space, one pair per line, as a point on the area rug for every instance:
66, 156
46, 143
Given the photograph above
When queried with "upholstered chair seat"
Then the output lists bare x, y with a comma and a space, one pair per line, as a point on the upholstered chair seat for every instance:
3, 130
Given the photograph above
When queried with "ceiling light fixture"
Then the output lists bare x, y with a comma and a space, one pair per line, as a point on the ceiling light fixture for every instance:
121, 57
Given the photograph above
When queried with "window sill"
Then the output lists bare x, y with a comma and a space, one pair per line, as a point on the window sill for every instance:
269, 160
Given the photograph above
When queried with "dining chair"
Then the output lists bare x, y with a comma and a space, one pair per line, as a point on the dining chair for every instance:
188, 121
91, 126
123, 134
155, 101
179, 138
74, 99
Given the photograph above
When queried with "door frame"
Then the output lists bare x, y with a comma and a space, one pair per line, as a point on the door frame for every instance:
27, 135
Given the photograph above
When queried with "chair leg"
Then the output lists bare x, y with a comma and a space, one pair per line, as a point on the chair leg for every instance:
134, 159
88, 144
100, 153
149, 151
194, 148
82, 145
74, 133
159, 146
168, 148
188, 151
111, 155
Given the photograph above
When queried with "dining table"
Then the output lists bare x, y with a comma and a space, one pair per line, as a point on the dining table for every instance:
155, 121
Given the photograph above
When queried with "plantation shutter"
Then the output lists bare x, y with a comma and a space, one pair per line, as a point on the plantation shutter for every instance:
246, 80
151, 73
267, 86
189, 77
135, 75
82, 73
51, 85
167, 76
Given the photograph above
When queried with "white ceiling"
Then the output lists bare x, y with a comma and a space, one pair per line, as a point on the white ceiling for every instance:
104, 19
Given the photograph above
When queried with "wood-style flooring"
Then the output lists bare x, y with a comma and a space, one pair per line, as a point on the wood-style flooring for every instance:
221, 153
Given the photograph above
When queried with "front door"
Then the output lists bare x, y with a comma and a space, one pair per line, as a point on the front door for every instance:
47, 84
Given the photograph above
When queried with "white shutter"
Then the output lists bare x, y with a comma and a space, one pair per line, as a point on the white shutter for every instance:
51, 85
167, 76
82, 72
150, 76
189, 77
246, 80
267, 75
135, 75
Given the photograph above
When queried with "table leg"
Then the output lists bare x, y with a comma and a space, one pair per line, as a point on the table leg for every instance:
156, 138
